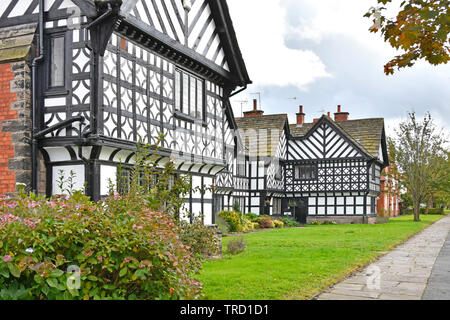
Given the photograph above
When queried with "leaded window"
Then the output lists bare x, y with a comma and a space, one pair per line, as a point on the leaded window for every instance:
57, 61
276, 206
189, 94
306, 172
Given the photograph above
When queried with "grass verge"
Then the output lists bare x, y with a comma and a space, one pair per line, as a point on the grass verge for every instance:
300, 262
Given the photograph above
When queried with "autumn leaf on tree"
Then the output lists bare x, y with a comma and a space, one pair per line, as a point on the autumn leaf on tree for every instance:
421, 29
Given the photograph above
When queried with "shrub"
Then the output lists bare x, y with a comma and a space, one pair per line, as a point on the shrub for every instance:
326, 222
247, 225
288, 222
278, 223
202, 240
122, 250
237, 221
252, 216
223, 226
255, 225
432, 211
266, 222
236, 206
233, 219
236, 246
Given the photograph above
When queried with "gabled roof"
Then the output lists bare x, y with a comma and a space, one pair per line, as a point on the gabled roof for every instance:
367, 134
263, 133
168, 27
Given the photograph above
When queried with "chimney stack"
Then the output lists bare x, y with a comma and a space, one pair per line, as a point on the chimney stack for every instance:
340, 116
300, 117
255, 112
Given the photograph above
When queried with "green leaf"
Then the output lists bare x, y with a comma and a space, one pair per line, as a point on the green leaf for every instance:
56, 273
428, 14
4, 273
52, 282
45, 289
14, 270
123, 272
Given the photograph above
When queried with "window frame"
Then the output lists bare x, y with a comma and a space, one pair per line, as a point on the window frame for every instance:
180, 113
277, 204
51, 36
373, 205
313, 172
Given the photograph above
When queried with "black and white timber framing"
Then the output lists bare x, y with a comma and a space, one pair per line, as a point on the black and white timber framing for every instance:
170, 67
126, 90
318, 168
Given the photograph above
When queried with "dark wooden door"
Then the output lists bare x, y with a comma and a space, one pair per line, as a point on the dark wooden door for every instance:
301, 210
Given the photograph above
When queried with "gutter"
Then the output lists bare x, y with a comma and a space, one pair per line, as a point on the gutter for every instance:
239, 91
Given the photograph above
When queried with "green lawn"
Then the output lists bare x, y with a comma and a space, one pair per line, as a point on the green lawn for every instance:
299, 263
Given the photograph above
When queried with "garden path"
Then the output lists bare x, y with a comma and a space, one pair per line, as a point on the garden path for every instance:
417, 269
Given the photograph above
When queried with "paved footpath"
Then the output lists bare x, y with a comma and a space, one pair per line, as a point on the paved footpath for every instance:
405, 272
439, 283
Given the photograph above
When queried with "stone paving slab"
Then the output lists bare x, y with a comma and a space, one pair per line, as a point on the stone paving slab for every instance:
403, 273
439, 283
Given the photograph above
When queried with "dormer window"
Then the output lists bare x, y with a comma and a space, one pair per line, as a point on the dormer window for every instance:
189, 95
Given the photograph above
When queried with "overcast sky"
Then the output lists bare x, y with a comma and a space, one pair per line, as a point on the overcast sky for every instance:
322, 54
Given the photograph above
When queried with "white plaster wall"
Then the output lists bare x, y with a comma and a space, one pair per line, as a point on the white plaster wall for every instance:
79, 179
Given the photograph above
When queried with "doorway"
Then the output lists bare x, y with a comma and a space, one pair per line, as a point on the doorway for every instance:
299, 208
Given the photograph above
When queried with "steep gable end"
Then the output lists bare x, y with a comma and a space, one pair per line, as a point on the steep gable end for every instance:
196, 29
323, 141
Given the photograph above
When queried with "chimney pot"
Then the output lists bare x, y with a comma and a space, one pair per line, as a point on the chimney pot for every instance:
255, 112
340, 116
300, 117
329, 113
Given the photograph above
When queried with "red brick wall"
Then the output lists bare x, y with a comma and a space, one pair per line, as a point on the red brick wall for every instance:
389, 199
15, 126
7, 98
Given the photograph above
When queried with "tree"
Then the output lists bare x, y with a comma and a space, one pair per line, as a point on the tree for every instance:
440, 187
421, 29
438, 177
417, 148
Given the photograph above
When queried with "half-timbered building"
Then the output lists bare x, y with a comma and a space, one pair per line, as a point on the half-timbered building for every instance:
84, 81
325, 170
103, 75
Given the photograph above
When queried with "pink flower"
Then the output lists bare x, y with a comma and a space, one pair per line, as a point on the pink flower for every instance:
175, 264
12, 205
7, 258
33, 204
100, 258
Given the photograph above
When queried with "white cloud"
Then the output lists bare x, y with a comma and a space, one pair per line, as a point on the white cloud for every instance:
261, 28
319, 19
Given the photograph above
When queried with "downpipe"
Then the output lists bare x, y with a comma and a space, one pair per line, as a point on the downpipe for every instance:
35, 103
